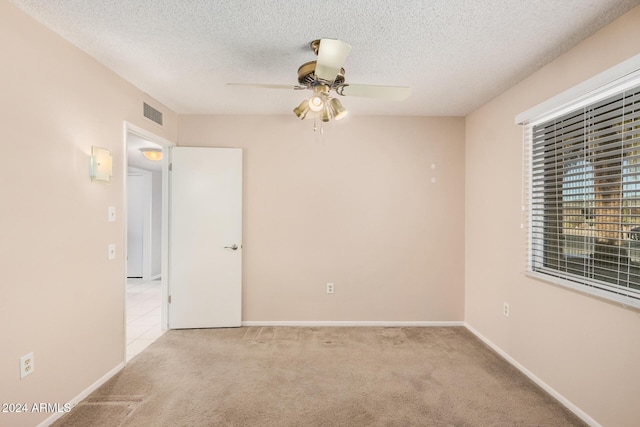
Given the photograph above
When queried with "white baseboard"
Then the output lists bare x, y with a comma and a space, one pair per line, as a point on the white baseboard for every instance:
314, 323
546, 387
79, 398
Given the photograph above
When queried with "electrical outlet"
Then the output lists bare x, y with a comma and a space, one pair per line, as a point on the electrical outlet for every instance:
505, 309
26, 365
329, 288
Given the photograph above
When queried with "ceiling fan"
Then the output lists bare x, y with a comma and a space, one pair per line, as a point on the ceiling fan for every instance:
325, 75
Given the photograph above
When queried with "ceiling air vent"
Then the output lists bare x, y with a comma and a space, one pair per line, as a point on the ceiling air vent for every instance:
152, 114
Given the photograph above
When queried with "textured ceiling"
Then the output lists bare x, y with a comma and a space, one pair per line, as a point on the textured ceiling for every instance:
455, 54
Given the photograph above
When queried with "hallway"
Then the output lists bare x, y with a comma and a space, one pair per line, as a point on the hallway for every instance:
143, 315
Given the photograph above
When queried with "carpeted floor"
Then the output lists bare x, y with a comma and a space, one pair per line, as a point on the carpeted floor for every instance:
285, 376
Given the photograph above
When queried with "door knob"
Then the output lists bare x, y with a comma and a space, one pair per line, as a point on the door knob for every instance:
233, 248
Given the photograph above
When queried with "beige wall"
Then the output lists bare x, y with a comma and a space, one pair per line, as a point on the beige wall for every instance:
586, 349
356, 208
61, 298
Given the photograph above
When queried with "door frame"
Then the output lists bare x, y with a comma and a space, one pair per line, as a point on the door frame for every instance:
130, 128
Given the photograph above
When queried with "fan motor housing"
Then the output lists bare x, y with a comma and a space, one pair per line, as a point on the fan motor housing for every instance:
307, 76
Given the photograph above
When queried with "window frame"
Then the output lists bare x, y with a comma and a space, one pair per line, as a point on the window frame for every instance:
598, 88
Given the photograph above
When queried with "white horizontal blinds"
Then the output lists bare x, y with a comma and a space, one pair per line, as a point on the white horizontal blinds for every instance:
585, 195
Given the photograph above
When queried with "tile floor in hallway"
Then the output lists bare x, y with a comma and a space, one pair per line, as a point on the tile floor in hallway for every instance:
143, 315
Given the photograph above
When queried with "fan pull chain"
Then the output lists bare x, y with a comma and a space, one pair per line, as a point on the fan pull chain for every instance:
319, 138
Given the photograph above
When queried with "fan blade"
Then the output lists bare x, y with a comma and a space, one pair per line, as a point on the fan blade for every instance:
290, 87
331, 56
394, 93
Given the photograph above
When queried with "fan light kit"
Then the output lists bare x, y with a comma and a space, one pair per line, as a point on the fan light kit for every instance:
325, 75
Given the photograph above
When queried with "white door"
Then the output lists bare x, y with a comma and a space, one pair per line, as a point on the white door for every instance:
205, 237
135, 225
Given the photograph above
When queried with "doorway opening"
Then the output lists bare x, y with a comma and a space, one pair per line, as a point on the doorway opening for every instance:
144, 225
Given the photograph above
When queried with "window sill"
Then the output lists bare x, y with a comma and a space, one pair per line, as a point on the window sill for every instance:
620, 300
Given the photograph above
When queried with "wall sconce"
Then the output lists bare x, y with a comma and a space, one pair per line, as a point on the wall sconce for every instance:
153, 154
100, 164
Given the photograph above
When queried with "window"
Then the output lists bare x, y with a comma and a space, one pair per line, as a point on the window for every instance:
584, 196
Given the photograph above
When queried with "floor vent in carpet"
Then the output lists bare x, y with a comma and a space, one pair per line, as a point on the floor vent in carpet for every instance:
101, 411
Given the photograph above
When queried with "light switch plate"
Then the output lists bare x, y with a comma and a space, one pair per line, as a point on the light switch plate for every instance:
112, 251
112, 214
